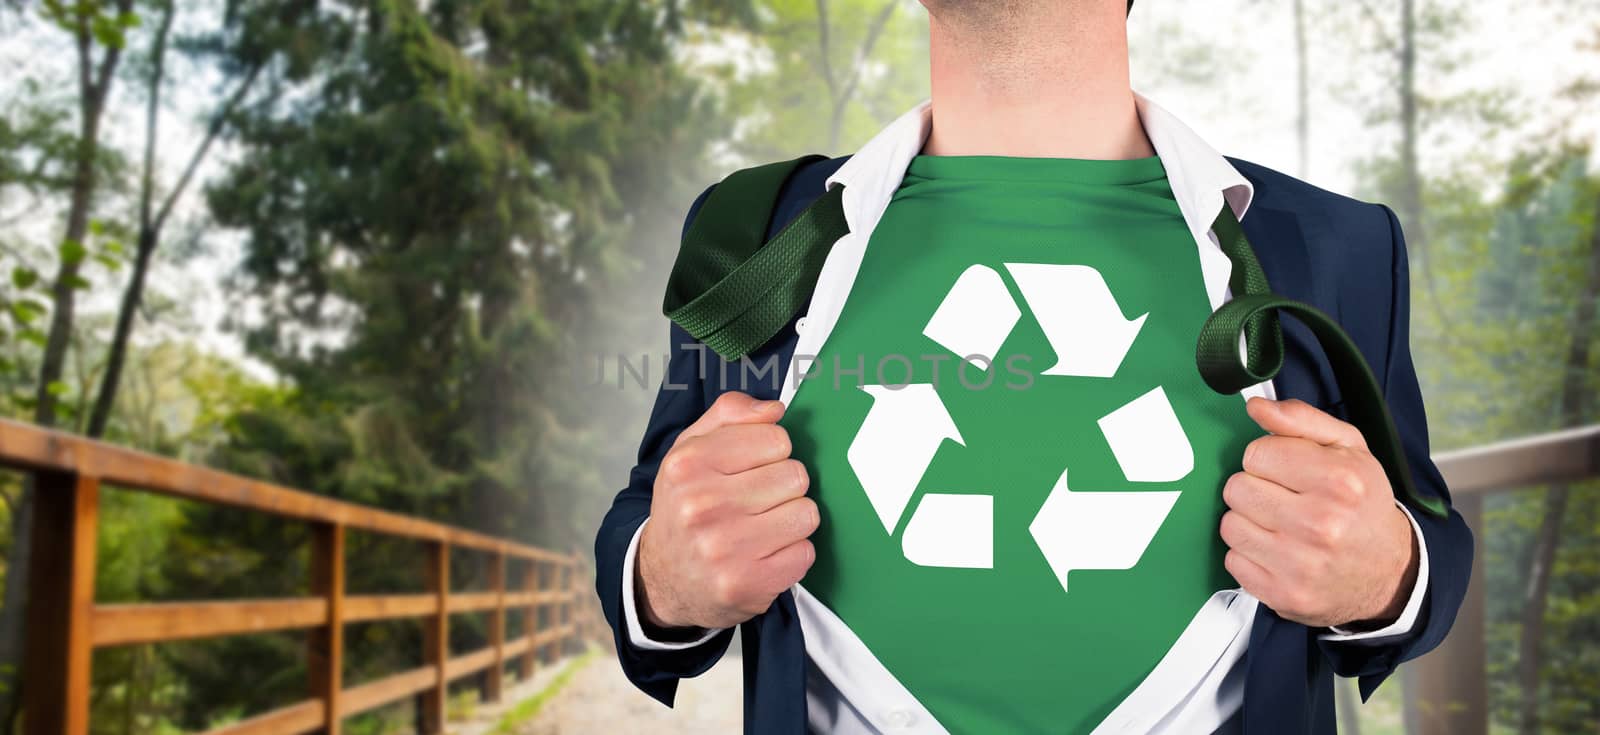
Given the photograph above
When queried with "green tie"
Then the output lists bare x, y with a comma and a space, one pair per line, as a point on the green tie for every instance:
733, 293
1252, 312
727, 289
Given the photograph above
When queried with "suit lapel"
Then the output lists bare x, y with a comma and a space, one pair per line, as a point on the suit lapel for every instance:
1277, 658
1280, 240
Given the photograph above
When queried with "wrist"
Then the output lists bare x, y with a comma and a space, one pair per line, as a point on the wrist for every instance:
656, 621
1391, 600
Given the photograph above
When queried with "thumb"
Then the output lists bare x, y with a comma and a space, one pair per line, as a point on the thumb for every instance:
731, 408
1297, 418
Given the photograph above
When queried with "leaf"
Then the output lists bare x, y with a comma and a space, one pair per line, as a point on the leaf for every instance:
26, 310
72, 251
107, 32
78, 282
56, 388
33, 335
24, 277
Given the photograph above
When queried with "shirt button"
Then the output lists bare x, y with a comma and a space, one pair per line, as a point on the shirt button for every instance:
899, 719
800, 326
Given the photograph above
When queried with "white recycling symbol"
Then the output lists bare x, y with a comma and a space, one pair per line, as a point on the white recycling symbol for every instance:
1083, 323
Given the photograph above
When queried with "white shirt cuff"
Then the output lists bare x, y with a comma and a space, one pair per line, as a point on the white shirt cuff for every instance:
1408, 616
630, 609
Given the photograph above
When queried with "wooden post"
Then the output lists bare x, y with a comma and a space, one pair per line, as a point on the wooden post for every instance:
494, 683
548, 576
1451, 688
565, 645
530, 619
580, 611
325, 657
56, 659
436, 640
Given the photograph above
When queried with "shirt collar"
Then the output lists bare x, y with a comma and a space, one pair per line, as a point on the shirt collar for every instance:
1200, 177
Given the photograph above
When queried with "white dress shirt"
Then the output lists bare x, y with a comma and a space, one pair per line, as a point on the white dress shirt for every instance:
1199, 684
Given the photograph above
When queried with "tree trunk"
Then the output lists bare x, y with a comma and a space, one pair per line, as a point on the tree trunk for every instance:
1542, 556
1410, 204
149, 233
151, 226
1302, 121
841, 94
94, 84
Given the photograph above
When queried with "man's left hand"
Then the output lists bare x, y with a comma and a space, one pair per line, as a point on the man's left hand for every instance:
1313, 530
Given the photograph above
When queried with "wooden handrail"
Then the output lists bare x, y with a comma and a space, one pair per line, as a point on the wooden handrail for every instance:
1451, 683
65, 624
1558, 456
28, 447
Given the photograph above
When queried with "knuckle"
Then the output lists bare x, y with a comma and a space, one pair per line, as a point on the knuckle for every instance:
800, 478
711, 547
700, 548
1229, 528
695, 510
675, 467
797, 563
1256, 452
1346, 482
1234, 491
1335, 531
808, 516
727, 403
808, 555
1325, 531
1233, 561
726, 590
777, 440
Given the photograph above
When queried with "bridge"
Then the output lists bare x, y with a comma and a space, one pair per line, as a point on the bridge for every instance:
66, 624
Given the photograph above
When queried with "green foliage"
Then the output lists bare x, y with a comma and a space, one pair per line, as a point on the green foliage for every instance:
801, 90
1491, 346
529, 708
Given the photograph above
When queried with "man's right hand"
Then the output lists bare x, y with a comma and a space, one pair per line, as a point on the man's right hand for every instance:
729, 520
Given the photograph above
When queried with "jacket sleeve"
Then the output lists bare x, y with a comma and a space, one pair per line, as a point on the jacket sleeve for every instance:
679, 401
1446, 541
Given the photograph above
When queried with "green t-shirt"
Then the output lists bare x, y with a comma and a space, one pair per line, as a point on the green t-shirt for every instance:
1075, 287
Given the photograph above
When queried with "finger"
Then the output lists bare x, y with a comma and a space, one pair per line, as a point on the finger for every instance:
787, 523
1266, 503
1301, 465
1294, 417
1253, 577
786, 566
739, 447
730, 408
1248, 537
761, 489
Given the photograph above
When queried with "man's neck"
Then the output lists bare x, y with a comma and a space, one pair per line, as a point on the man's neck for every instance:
1033, 79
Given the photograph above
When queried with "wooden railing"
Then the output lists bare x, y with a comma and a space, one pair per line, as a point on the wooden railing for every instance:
1451, 683
65, 624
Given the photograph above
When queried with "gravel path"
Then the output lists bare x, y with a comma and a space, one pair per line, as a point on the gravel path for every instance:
599, 700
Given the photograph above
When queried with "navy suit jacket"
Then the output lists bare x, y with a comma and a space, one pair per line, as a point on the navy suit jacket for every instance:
1343, 256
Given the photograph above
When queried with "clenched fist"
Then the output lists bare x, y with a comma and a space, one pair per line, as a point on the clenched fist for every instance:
729, 520
1313, 530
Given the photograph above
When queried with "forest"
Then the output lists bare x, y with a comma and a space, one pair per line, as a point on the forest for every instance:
374, 249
